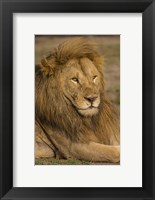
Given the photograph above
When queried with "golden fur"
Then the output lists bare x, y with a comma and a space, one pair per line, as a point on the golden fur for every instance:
74, 118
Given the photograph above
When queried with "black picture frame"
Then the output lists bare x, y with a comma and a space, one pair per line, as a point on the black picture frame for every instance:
7, 8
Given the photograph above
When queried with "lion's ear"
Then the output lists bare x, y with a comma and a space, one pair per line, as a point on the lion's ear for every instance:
47, 66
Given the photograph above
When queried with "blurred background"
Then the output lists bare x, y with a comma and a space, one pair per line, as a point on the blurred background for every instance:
108, 45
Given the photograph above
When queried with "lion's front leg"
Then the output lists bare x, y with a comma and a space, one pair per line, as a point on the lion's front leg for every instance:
90, 151
96, 152
42, 146
42, 150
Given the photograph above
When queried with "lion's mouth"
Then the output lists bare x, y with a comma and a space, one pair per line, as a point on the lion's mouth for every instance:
90, 111
85, 110
89, 108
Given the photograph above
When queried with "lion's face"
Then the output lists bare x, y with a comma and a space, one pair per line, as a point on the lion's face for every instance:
80, 82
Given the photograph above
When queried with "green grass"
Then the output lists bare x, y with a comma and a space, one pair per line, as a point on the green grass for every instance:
71, 161
53, 161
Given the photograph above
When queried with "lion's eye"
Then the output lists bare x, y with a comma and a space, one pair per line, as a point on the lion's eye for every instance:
94, 78
75, 80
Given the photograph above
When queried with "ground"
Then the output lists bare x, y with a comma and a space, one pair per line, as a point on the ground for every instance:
109, 46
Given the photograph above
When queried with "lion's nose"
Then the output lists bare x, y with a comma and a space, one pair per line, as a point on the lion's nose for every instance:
90, 98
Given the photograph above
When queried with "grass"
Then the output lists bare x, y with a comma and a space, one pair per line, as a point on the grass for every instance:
71, 161
53, 161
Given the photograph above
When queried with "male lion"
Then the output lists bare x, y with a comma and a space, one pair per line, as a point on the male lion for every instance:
74, 118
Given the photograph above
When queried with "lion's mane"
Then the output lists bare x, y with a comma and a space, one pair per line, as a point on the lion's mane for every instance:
52, 110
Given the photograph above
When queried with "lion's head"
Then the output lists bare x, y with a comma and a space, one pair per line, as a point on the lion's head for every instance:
80, 82
70, 85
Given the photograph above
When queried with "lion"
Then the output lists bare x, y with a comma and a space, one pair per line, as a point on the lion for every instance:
73, 116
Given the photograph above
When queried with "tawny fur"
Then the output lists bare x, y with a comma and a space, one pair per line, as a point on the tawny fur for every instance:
61, 127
